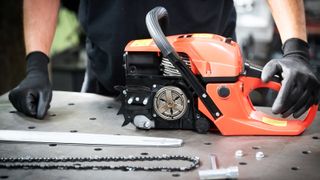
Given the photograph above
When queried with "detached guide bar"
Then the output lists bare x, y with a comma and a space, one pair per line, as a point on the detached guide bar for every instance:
86, 138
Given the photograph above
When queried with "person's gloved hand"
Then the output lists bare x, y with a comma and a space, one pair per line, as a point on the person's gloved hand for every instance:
33, 95
300, 86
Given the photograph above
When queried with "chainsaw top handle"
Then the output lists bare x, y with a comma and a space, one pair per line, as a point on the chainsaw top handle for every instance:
156, 15
153, 18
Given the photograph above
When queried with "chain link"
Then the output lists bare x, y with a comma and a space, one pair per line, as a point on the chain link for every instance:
42, 163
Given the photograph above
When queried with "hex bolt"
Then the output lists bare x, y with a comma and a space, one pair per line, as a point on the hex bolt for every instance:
260, 155
238, 153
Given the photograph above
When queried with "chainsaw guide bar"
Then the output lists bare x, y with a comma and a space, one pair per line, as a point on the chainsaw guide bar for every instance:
86, 138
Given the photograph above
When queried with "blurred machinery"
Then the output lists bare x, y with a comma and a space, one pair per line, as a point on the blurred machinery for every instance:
260, 41
313, 29
254, 29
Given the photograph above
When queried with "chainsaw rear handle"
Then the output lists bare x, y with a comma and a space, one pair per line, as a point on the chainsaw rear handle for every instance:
252, 83
153, 18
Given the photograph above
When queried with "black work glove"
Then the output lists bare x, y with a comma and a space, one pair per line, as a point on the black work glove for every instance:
33, 95
300, 86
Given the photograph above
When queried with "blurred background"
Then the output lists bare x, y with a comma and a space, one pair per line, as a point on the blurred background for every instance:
256, 34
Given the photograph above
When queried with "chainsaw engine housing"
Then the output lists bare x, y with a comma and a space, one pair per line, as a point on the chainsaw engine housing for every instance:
156, 95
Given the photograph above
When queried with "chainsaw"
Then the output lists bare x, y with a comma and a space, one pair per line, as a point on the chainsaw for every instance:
196, 81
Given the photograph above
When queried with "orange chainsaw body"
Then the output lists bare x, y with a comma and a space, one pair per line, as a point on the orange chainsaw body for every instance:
213, 56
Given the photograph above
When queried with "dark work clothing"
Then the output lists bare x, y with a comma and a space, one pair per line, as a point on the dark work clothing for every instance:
111, 24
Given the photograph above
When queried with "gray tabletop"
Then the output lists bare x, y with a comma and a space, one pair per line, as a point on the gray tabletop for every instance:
287, 157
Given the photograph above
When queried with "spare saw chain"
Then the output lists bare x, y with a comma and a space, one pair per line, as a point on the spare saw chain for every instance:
49, 163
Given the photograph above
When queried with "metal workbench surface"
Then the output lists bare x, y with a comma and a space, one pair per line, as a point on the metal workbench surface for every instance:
287, 157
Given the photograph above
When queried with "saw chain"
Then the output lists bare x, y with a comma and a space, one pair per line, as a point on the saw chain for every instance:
47, 163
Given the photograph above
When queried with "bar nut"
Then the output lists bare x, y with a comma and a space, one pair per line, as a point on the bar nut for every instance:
260, 155
239, 154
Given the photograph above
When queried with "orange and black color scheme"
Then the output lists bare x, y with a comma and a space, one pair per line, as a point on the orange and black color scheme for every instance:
196, 81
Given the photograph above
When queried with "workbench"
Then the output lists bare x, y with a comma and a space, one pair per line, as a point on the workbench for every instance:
287, 157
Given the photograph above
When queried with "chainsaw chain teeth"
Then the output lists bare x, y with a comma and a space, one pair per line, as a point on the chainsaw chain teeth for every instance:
31, 163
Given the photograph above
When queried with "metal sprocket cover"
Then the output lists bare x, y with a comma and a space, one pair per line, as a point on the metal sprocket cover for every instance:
170, 103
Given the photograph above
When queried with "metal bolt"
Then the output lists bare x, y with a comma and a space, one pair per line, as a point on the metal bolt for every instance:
217, 114
130, 100
204, 95
147, 125
239, 153
154, 86
145, 101
260, 155
154, 115
137, 99
124, 92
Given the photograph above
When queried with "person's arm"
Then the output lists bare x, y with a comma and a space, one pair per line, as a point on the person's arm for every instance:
300, 86
289, 17
33, 95
39, 22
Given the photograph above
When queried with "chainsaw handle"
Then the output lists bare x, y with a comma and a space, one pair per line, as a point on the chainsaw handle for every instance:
153, 19
252, 83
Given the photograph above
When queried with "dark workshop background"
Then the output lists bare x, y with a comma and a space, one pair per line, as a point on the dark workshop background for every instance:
256, 34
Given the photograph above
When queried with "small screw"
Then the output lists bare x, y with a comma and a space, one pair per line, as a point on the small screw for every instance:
137, 99
204, 95
154, 86
124, 92
217, 114
154, 115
